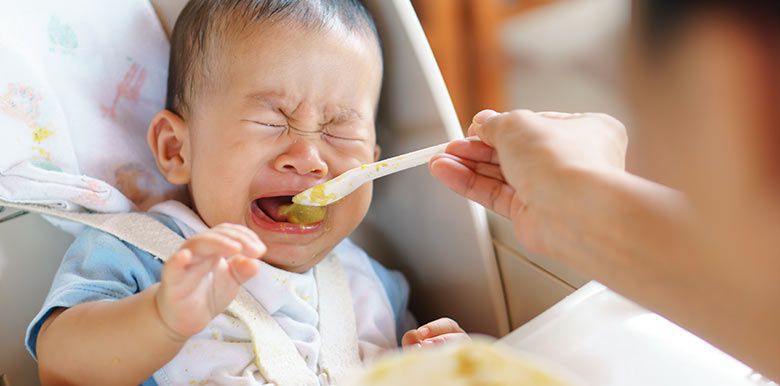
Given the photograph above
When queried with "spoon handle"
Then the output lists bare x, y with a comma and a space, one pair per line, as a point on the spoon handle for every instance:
402, 162
339, 187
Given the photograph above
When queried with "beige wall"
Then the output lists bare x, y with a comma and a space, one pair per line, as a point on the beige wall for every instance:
563, 57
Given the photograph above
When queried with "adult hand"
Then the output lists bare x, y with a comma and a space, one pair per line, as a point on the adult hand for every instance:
521, 167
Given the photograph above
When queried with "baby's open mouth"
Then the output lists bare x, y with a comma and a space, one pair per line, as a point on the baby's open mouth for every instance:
281, 209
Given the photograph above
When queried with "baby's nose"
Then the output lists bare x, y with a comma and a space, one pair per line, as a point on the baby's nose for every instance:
302, 158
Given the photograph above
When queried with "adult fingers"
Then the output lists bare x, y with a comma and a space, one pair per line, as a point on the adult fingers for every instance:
483, 168
492, 130
492, 193
479, 119
473, 150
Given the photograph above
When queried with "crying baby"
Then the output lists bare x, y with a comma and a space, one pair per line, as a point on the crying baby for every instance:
266, 98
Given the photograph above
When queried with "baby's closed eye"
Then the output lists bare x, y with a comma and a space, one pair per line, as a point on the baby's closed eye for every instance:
350, 130
343, 136
277, 125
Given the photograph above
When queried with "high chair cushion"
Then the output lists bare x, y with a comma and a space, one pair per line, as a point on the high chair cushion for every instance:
79, 82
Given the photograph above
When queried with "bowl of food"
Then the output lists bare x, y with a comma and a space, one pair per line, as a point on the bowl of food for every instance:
479, 362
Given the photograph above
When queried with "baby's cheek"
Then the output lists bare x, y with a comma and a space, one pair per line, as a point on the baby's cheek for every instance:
217, 201
351, 210
362, 198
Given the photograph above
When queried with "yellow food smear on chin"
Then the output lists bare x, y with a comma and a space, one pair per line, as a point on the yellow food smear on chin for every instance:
303, 214
318, 195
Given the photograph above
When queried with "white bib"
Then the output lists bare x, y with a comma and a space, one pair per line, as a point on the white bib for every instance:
222, 353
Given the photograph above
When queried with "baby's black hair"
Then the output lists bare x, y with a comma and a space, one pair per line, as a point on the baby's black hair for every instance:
205, 24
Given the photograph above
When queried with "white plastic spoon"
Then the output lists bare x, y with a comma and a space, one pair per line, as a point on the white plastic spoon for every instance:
341, 186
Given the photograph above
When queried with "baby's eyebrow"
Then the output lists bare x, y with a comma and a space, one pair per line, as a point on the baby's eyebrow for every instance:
266, 99
276, 100
346, 114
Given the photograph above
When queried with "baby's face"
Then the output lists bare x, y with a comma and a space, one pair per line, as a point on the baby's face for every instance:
290, 110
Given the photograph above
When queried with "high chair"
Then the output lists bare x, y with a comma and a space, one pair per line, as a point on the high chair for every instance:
77, 90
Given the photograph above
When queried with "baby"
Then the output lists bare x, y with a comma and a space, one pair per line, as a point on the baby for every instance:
266, 98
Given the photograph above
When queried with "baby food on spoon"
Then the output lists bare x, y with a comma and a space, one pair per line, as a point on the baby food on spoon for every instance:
318, 195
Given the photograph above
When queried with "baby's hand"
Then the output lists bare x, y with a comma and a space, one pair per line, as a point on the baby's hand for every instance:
204, 276
438, 332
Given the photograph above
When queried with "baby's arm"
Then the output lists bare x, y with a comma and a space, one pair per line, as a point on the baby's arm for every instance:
438, 332
126, 341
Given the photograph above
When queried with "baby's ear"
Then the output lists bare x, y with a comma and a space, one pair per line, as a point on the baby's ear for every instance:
168, 138
377, 152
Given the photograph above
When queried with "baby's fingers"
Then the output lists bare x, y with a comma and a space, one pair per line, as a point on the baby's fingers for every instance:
229, 275
195, 258
212, 244
182, 280
438, 327
452, 337
251, 245
176, 266
243, 268
409, 338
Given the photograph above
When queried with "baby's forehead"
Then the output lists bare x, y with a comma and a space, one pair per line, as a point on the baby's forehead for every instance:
337, 72
333, 32
280, 41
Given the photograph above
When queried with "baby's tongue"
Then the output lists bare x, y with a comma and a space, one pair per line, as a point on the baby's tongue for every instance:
270, 206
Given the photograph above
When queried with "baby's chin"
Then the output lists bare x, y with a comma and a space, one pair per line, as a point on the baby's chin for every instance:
294, 258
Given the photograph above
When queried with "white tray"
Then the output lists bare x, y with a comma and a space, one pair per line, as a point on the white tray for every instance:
608, 340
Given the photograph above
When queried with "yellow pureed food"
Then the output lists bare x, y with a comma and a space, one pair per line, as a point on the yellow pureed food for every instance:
303, 214
318, 195
475, 363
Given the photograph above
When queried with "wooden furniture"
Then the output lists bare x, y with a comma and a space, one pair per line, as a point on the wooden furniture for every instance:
464, 35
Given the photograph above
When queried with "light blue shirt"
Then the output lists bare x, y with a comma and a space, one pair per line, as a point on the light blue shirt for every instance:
99, 266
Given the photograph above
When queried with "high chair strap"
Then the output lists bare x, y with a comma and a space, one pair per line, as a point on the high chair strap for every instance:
339, 351
137, 229
275, 354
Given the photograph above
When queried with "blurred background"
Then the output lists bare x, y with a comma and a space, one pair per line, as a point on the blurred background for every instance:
541, 55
